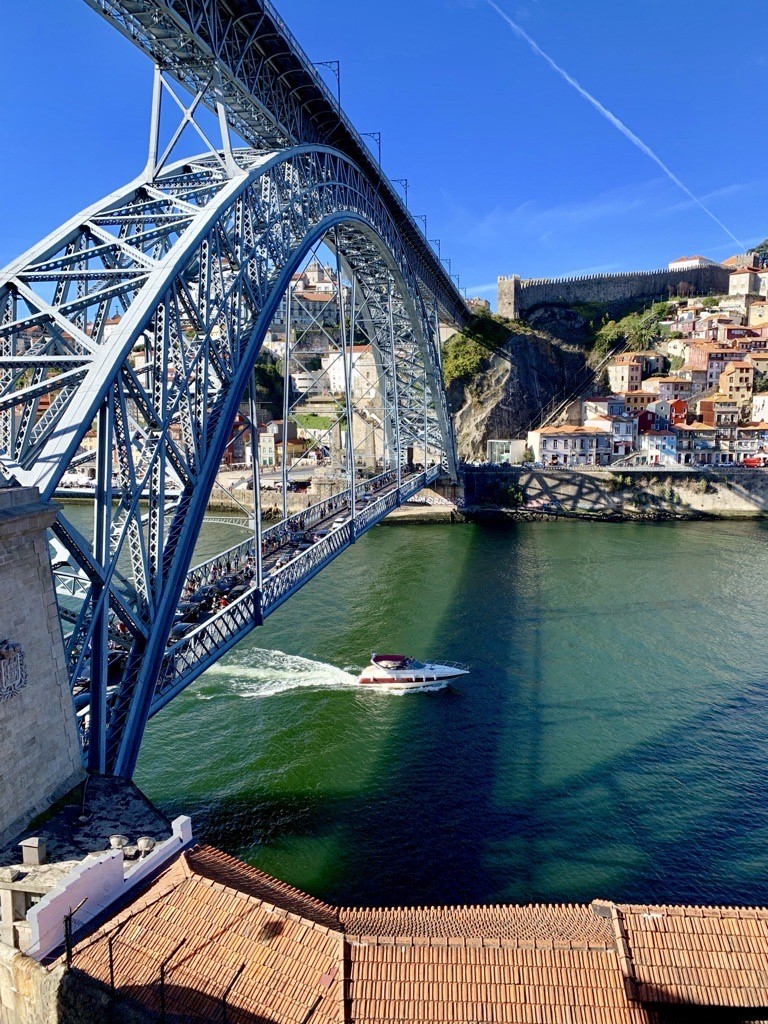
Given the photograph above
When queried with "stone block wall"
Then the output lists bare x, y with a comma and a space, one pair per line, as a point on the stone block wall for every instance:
516, 296
39, 749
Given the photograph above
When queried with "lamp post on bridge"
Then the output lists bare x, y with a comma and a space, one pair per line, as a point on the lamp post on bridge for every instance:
436, 242
404, 183
335, 67
376, 136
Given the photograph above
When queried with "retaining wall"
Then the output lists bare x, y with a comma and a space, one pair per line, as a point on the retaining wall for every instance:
620, 494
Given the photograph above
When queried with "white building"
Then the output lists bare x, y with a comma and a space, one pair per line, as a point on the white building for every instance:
364, 376
760, 408
690, 263
571, 446
660, 446
623, 431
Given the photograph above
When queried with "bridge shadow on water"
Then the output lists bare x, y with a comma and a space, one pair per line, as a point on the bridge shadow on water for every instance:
469, 801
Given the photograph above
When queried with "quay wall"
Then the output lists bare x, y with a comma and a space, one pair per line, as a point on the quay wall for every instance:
39, 749
517, 296
618, 494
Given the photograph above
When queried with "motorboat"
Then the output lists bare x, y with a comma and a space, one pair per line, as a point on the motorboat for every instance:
399, 672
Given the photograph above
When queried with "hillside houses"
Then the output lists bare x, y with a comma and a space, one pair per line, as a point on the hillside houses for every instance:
700, 399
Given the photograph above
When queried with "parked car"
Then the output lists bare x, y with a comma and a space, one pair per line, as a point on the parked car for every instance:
179, 631
188, 611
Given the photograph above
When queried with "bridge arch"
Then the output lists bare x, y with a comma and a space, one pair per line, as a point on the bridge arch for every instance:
193, 269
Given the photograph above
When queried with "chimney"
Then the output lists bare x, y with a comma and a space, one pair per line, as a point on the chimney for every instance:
33, 850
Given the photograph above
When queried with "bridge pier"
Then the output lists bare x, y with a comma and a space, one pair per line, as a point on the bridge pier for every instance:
39, 749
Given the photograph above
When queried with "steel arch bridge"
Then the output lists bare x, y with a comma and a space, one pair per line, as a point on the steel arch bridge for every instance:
130, 336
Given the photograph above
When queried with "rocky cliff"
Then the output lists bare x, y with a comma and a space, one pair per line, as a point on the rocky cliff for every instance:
515, 382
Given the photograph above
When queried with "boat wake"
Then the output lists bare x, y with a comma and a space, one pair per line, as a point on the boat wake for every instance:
265, 673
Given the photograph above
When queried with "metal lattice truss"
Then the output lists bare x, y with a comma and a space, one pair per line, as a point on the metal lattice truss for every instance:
128, 340
134, 330
240, 60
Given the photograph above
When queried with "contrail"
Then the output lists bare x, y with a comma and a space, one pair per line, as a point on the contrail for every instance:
612, 119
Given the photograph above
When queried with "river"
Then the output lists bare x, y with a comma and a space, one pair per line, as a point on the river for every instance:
611, 740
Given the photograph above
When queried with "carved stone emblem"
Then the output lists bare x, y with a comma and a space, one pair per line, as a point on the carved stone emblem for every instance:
13, 670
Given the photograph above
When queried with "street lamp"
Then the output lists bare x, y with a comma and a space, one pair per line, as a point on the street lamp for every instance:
404, 183
335, 67
376, 136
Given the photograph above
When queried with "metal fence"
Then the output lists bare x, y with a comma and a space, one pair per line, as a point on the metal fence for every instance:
172, 987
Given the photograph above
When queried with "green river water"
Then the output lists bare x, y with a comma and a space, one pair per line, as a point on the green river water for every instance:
611, 740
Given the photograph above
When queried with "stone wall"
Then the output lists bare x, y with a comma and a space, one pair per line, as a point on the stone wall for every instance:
32, 994
39, 750
621, 493
516, 296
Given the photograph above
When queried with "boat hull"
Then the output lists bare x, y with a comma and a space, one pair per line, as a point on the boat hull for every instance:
409, 679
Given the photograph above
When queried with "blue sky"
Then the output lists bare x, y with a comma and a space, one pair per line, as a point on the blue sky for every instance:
516, 172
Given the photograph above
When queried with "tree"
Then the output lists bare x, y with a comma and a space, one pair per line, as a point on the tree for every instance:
709, 302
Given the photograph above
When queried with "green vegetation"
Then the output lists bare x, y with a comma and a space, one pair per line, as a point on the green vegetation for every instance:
311, 421
676, 363
268, 381
709, 302
466, 354
639, 330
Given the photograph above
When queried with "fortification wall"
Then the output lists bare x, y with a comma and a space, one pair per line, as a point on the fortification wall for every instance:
516, 296
39, 750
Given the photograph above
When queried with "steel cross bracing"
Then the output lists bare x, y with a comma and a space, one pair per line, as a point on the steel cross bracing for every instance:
238, 55
134, 330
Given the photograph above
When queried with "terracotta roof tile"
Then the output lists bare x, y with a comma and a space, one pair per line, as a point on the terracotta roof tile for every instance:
294, 959
219, 867
292, 964
574, 924
713, 956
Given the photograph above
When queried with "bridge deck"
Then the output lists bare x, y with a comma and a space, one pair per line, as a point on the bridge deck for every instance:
188, 658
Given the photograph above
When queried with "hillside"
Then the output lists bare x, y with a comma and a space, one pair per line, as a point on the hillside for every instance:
501, 373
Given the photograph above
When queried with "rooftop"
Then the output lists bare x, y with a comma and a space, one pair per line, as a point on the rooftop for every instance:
570, 429
111, 805
290, 958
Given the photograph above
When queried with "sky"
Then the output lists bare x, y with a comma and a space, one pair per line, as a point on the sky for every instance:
507, 133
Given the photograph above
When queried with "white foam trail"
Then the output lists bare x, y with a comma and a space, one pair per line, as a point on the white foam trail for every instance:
612, 119
265, 673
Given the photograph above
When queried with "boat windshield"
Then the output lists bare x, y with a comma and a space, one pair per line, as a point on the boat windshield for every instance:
412, 663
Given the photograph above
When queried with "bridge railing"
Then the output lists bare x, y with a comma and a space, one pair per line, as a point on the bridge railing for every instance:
281, 584
273, 536
205, 644
190, 656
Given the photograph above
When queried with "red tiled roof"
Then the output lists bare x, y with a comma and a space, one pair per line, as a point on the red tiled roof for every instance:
293, 967
219, 867
705, 956
294, 959
566, 924
440, 982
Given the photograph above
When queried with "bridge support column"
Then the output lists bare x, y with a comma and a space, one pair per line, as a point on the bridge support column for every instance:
39, 749
347, 354
396, 395
256, 481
